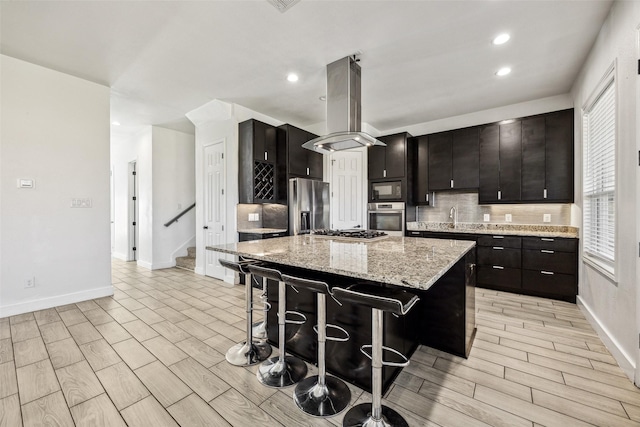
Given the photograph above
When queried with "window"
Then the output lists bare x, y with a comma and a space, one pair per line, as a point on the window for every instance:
599, 181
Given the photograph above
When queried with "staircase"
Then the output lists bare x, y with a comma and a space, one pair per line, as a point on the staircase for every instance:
187, 262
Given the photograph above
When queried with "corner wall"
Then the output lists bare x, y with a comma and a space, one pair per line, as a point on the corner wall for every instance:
611, 306
54, 129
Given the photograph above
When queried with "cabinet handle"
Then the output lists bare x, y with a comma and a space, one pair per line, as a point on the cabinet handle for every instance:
498, 248
266, 155
499, 195
307, 171
546, 251
544, 195
498, 267
415, 233
498, 237
426, 197
451, 183
546, 239
549, 273
384, 173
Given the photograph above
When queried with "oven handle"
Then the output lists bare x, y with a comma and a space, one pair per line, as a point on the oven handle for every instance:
387, 211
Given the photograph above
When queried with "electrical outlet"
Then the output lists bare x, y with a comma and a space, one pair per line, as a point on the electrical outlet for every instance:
546, 218
487, 217
30, 282
507, 218
253, 217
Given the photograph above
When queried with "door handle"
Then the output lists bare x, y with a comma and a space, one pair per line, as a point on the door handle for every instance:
206, 227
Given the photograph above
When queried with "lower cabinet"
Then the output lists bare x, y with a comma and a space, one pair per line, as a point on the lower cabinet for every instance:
540, 266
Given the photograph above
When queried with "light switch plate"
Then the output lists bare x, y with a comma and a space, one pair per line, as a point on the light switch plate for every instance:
508, 218
487, 217
546, 218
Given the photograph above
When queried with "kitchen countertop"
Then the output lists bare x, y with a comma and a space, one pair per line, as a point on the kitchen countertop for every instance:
263, 230
402, 261
482, 228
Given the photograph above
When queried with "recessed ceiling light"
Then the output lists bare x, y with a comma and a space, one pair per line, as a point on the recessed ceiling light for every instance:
292, 77
115, 123
501, 39
503, 71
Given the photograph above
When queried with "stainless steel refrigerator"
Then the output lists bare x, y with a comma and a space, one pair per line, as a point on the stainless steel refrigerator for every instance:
308, 205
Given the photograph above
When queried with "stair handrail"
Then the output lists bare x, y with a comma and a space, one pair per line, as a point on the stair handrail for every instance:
177, 217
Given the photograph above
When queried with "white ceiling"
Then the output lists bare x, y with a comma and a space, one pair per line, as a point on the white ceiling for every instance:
421, 60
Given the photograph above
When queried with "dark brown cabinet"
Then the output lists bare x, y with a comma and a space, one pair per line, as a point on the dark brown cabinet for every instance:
550, 267
500, 162
421, 195
499, 261
453, 159
257, 175
389, 161
528, 160
299, 162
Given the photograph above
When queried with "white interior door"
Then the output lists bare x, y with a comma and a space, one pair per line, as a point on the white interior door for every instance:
348, 196
214, 207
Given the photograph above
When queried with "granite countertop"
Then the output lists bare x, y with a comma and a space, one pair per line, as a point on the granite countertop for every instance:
483, 228
402, 261
263, 230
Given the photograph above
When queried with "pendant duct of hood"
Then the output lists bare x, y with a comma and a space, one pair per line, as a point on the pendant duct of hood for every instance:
343, 110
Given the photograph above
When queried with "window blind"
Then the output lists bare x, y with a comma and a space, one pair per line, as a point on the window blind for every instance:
599, 183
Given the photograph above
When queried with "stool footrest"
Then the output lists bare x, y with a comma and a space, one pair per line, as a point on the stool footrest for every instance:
265, 306
333, 338
292, 321
364, 349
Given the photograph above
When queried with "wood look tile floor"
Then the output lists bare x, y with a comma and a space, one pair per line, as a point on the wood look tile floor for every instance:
153, 355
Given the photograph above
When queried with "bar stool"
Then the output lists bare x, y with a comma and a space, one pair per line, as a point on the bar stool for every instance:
379, 299
280, 371
321, 395
247, 352
259, 329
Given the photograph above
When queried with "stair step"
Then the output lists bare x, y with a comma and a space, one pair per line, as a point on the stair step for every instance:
186, 262
191, 252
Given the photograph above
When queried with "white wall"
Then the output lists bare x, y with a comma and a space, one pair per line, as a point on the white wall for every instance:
612, 306
54, 130
173, 173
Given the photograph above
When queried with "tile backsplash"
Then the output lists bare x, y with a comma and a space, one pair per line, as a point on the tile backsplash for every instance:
470, 211
269, 216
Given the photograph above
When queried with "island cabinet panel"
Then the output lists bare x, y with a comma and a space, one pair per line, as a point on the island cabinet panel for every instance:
257, 175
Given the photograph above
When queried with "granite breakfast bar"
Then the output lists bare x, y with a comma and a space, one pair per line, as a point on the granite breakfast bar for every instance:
440, 272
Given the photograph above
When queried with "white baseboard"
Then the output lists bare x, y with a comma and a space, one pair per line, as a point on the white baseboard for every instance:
627, 363
161, 265
44, 303
199, 270
144, 264
118, 255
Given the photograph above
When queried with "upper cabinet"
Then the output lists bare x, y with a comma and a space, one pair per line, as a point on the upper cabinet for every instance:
421, 186
527, 160
390, 161
299, 162
453, 159
257, 146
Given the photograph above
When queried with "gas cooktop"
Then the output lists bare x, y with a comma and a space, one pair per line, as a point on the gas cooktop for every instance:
351, 234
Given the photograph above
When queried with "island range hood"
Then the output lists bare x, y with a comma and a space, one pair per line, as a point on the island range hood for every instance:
343, 110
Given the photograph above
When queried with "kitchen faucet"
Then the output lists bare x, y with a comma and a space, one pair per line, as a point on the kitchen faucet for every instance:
453, 214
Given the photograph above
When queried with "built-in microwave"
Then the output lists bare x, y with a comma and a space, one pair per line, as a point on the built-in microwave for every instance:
387, 190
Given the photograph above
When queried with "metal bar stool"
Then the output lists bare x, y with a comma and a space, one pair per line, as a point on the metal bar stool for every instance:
247, 352
259, 329
280, 371
321, 395
379, 299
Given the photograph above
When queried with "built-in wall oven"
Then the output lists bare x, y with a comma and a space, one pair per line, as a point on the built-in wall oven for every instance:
387, 217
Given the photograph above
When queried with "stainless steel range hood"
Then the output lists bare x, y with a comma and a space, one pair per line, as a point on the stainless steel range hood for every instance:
343, 110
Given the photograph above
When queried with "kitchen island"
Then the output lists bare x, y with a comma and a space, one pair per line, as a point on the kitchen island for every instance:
440, 272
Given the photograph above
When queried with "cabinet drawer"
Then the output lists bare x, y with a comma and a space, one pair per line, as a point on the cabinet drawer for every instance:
499, 255
550, 243
499, 276
549, 260
499, 240
556, 284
